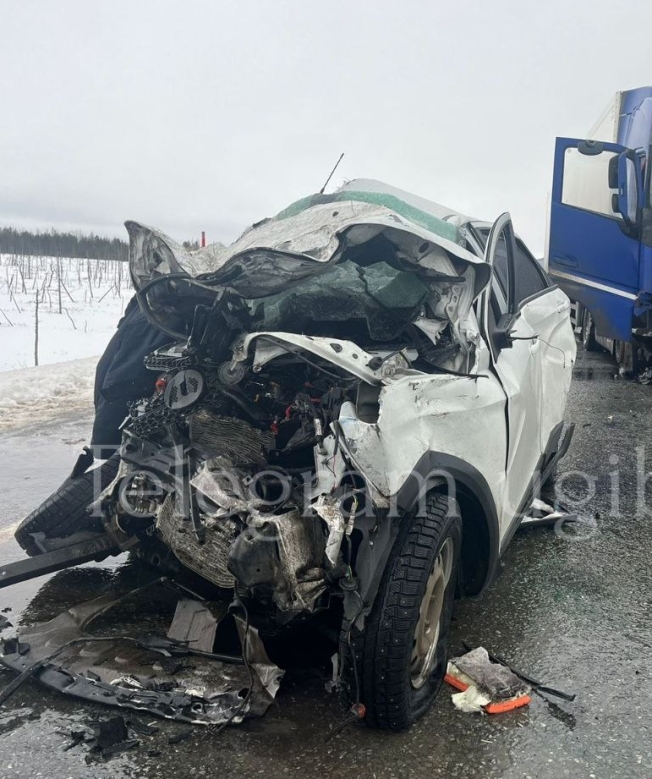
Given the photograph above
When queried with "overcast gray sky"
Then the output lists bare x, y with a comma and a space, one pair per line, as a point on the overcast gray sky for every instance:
210, 115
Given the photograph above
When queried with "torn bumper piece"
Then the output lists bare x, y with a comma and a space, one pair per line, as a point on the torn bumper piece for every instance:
150, 673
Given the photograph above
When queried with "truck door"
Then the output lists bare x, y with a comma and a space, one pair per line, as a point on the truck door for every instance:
593, 246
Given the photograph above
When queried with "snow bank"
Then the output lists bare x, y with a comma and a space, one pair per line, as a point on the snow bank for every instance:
37, 394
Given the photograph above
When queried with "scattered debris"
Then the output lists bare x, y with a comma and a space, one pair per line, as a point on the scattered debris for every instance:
542, 514
645, 377
356, 714
485, 686
141, 672
112, 736
537, 687
4, 623
142, 728
179, 737
108, 737
77, 737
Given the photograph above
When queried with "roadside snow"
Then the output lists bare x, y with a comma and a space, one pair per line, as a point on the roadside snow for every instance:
37, 394
93, 293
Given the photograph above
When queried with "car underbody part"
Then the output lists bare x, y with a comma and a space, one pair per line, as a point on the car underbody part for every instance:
94, 548
542, 514
175, 676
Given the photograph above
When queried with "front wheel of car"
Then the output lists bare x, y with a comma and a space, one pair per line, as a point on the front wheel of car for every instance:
402, 653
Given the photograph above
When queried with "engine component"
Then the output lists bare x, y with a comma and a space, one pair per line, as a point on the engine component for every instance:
170, 358
281, 554
229, 437
209, 559
231, 373
183, 389
271, 489
139, 493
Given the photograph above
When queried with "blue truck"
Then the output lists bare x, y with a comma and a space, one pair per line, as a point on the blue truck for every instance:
599, 241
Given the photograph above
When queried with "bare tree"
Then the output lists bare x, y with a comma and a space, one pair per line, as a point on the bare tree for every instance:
36, 330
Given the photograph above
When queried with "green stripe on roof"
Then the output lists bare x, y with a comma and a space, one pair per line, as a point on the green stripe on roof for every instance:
415, 215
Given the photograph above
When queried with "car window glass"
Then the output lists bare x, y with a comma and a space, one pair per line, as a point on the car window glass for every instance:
498, 299
529, 277
501, 266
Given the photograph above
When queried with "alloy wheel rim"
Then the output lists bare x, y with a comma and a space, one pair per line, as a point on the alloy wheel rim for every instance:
428, 627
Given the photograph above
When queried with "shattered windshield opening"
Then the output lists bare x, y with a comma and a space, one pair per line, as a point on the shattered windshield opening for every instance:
372, 304
382, 289
373, 298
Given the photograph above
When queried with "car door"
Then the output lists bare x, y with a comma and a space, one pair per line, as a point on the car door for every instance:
546, 308
515, 358
593, 247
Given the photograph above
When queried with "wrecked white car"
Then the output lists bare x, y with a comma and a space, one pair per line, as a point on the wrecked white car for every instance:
360, 399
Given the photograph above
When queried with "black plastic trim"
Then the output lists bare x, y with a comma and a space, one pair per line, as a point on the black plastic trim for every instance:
434, 466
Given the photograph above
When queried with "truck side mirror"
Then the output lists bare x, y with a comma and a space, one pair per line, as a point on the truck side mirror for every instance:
622, 176
613, 173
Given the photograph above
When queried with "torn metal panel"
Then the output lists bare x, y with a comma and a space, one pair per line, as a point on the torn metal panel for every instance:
344, 354
194, 625
281, 554
328, 508
302, 237
129, 672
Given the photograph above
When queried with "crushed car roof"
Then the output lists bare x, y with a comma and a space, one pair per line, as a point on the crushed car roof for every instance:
310, 232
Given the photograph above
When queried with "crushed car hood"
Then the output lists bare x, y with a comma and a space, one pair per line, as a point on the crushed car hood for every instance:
310, 233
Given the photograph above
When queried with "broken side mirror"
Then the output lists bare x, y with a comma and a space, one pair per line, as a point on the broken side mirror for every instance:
623, 176
502, 333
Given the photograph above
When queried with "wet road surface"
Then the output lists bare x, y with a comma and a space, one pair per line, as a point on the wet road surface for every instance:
572, 608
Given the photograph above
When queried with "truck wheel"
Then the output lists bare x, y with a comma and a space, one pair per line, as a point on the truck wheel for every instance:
64, 512
588, 332
627, 357
402, 653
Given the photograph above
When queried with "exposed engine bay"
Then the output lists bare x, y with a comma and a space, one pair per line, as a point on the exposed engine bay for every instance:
239, 462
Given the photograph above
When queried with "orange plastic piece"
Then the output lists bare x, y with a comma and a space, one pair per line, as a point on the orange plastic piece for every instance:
490, 708
456, 683
501, 708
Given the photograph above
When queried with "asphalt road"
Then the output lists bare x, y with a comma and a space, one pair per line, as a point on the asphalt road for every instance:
572, 608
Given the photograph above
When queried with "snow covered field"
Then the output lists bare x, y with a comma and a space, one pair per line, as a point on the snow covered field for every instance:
79, 305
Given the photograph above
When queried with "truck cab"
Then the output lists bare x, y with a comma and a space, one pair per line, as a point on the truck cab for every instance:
599, 247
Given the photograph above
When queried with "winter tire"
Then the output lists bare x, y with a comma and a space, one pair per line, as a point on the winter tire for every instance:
402, 653
64, 512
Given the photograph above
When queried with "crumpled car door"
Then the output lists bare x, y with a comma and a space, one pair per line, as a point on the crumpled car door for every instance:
514, 351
